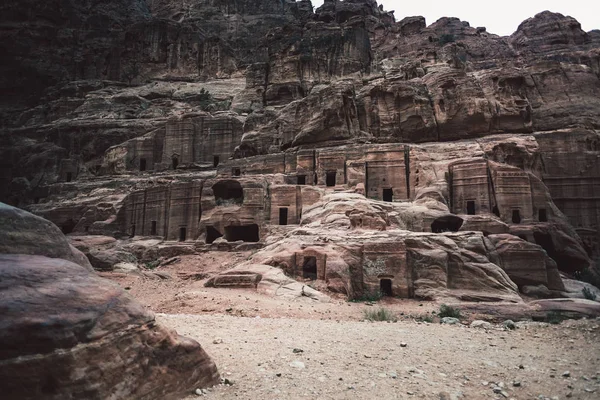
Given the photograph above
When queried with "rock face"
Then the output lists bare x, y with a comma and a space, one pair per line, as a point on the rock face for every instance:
85, 338
236, 122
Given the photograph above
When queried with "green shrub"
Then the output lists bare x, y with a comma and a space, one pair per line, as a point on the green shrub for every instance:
381, 314
152, 264
449, 311
369, 296
555, 317
588, 294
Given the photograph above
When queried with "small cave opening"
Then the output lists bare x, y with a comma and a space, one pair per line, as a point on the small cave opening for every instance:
228, 192
330, 178
564, 262
388, 195
309, 268
283, 216
236, 172
516, 217
245, 233
301, 179
447, 223
153, 228
182, 234
212, 234
142, 164
174, 162
68, 226
542, 215
385, 287
69, 177
215, 161
471, 207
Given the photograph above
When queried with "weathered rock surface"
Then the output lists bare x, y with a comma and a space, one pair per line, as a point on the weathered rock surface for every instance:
85, 338
25, 233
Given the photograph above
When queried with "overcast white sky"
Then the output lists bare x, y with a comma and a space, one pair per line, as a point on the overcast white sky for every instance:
499, 17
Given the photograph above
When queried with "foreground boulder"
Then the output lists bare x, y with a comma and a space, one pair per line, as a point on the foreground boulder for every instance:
68, 334
25, 233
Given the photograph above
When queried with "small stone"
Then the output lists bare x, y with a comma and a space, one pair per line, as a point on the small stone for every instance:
278, 374
516, 383
296, 351
521, 366
393, 374
450, 321
198, 392
297, 364
481, 324
566, 374
403, 344
218, 341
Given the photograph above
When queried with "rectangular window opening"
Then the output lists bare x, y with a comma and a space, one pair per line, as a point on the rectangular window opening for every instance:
542, 216
283, 216
301, 179
388, 195
182, 234
153, 228
215, 161
330, 178
142, 164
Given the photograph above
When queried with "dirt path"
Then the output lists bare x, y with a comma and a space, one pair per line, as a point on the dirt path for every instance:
365, 360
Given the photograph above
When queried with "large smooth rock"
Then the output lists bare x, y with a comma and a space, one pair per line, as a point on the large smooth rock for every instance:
25, 233
68, 334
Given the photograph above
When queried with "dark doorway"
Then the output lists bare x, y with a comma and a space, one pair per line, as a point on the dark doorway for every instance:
132, 231
388, 195
227, 192
330, 178
174, 162
69, 176
245, 233
309, 268
215, 161
447, 223
237, 172
301, 179
470, 207
212, 234
385, 286
283, 216
542, 216
142, 164
516, 217
563, 261
68, 226
153, 228
182, 233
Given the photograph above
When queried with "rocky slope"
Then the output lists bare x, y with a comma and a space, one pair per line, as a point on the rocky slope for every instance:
209, 122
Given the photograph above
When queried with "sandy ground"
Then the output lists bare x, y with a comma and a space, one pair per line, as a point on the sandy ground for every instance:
271, 348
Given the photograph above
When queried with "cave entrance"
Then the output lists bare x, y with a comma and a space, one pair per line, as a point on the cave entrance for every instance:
564, 262
69, 176
542, 216
153, 228
245, 233
470, 207
174, 162
182, 233
215, 161
309, 268
388, 195
212, 234
228, 192
385, 287
283, 216
301, 179
142, 164
68, 226
447, 223
516, 217
330, 178
236, 172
